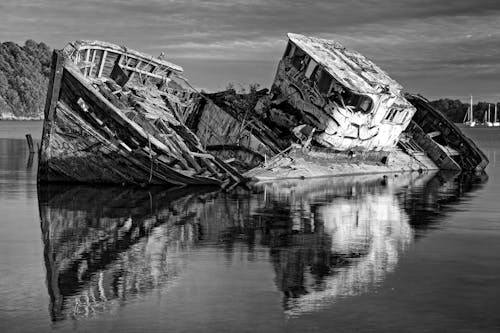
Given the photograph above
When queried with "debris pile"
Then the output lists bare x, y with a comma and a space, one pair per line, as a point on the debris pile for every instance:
157, 112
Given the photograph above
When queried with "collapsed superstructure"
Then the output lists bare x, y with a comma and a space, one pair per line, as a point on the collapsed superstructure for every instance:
349, 102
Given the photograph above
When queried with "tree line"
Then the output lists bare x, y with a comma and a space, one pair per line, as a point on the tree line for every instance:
24, 73
455, 110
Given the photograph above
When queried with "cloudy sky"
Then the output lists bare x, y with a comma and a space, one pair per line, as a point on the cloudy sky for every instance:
434, 47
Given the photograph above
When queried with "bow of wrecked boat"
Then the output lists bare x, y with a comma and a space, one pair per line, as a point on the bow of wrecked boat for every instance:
111, 116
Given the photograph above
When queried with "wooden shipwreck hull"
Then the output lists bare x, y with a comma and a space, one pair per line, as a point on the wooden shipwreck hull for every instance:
112, 116
115, 115
228, 127
447, 144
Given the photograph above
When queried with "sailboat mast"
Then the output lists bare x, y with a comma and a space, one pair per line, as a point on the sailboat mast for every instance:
471, 118
496, 109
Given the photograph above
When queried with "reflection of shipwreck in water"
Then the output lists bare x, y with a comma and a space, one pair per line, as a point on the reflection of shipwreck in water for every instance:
327, 239
357, 232
113, 116
107, 245
342, 240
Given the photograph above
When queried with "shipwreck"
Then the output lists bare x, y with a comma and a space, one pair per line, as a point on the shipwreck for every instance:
330, 111
111, 117
114, 115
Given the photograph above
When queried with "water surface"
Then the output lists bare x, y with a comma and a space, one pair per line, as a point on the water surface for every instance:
409, 252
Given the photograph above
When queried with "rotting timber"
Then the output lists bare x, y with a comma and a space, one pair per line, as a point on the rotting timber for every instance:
113, 116
443, 140
330, 112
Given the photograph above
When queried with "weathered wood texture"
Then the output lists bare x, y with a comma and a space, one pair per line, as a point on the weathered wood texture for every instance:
298, 163
432, 120
433, 149
95, 135
50, 105
224, 135
230, 127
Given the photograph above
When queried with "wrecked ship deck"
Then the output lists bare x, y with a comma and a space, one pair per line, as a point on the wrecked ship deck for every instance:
297, 163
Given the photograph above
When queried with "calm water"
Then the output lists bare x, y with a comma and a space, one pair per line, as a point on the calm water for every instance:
417, 252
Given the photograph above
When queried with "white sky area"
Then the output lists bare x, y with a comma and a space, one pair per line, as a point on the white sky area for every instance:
436, 48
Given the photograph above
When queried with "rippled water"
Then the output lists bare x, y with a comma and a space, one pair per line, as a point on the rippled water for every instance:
408, 252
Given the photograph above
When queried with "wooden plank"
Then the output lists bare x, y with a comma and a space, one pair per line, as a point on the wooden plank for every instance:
87, 57
53, 92
103, 61
129, 52
78, 87
109, 64
92, 64
54, 85
139, 164
140, 71
210, 167
116, 114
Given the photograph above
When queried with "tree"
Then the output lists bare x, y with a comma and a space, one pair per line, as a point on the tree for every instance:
24, 73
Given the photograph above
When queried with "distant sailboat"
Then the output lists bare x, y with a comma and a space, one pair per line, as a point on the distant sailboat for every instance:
487, 121
496, 123
469, 116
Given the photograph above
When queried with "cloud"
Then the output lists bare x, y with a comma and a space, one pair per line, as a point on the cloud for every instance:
414, 40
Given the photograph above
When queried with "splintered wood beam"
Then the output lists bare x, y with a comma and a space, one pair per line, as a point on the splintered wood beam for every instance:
92, 64
103, 61
54, 85
140, 71
87, 57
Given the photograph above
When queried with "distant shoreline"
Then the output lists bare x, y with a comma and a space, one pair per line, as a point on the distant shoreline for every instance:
22, 119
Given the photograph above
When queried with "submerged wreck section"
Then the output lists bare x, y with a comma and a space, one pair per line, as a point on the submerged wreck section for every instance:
113, 116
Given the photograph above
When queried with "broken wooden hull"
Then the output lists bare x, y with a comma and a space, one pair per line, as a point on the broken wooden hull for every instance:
231, 133
88, 136
351, 103
444, 141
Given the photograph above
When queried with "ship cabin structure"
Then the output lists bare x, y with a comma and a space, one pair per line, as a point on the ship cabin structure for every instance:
350, 102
